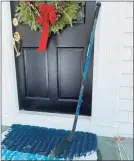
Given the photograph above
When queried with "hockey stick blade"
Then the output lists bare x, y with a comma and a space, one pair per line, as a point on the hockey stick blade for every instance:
60, 148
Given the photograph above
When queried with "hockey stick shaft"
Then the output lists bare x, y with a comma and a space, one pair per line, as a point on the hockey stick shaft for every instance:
89, 51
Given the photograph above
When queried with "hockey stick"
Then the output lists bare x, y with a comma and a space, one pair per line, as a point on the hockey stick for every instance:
65, 144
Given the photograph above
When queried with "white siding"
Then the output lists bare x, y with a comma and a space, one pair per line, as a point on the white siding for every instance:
125, 113
128, 37
129, 26
126, 80
125, 93
127, 67
129, 10
125, 128
127, 54
130, 115
125, 105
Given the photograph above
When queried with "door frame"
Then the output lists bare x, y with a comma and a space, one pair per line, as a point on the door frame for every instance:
102, 120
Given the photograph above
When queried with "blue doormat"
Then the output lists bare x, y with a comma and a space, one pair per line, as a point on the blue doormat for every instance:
24, 142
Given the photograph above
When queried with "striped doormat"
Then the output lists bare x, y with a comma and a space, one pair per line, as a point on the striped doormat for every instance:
24, 142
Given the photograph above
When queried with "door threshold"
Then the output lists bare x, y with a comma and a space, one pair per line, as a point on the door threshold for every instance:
53, 114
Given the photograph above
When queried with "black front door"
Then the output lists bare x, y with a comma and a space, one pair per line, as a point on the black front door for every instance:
50, 81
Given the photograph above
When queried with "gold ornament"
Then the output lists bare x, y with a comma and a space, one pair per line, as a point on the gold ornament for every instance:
15, 22
16, 36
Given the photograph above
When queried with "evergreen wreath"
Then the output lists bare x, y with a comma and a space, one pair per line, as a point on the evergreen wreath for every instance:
66, 13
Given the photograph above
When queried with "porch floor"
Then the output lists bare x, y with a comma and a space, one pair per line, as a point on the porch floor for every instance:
108, 148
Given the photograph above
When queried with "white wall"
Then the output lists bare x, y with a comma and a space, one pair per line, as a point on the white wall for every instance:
108, 55
125, 113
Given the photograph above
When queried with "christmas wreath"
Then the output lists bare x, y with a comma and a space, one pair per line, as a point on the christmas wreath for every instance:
48, 17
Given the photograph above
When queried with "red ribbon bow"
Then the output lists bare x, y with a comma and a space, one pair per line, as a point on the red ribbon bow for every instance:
47, 16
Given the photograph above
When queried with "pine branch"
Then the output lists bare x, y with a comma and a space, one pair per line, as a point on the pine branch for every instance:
68, 17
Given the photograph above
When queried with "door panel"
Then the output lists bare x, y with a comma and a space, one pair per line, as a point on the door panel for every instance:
35, 67
69, 75
50, 81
